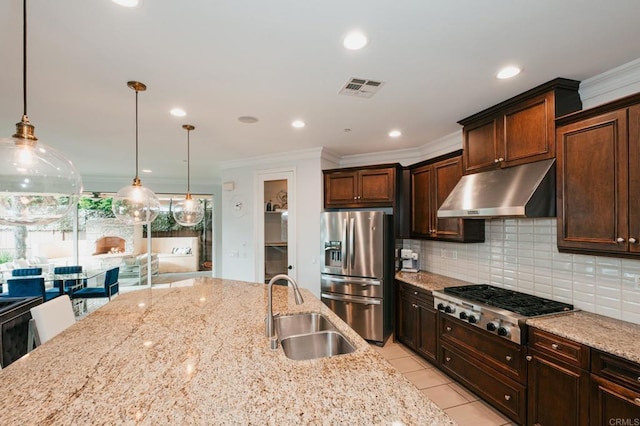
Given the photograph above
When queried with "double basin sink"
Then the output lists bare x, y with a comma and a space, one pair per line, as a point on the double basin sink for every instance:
310, 336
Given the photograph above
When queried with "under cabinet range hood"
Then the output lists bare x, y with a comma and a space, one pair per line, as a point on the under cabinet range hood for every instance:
527, 190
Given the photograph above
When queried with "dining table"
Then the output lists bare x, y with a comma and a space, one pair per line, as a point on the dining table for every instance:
196, 352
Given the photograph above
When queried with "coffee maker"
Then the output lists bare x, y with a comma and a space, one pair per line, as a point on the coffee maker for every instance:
409, 260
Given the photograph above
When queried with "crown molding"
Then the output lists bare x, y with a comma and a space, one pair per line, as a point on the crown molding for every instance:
304, 154
610, 85
407, 156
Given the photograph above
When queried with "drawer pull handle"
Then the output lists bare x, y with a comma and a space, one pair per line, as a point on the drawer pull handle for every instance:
448, 328
639, 379
529, 357
507, 397
637, 401
508, 358
620, 240
554, 346
415, 292
448, 358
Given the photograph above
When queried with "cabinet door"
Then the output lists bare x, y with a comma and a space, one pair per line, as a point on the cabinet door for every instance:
558, 394
446, 175
481, 145
634, 179
406, 320
592, 186
340, 189
377, 186
421, 204
611, 404
426, 339
529, 131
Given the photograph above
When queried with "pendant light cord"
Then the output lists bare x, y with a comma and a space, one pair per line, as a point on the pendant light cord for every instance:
137, 178
24, 58
188, 163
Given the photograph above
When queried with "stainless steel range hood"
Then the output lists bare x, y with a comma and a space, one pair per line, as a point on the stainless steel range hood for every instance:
527, 190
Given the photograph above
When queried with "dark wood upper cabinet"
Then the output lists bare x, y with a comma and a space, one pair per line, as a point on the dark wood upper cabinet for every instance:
519, 130
431, 182
598, 180
371, 186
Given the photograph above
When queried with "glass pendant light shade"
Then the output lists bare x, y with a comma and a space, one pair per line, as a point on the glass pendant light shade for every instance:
136, 204
38, 185
188, 212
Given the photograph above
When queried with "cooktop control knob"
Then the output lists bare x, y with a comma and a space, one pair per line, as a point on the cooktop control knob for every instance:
441, 306
472, 319
463, 315
450, 309
503, 331
492, 326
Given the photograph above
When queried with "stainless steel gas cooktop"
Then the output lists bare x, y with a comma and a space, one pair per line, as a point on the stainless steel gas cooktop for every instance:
498, 310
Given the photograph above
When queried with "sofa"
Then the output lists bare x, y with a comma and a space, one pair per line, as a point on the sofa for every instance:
175, 254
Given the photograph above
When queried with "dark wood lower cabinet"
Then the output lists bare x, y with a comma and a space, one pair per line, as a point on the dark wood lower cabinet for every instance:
558, 393
615, 390
416, 320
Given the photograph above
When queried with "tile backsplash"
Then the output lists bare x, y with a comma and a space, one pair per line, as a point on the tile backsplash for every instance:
521, 254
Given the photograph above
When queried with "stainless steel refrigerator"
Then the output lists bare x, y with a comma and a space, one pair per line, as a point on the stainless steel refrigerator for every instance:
357, 270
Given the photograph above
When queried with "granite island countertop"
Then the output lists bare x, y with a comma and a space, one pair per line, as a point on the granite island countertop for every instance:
197, 353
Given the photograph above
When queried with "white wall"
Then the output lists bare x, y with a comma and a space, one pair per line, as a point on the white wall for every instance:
238, 233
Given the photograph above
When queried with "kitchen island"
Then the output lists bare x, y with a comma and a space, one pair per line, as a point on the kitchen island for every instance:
197, 353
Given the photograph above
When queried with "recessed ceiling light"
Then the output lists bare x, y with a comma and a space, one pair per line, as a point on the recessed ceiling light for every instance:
126, 3
298, 124
508, 72
247, 119
178, 112
146, 170
395, 133
355, 40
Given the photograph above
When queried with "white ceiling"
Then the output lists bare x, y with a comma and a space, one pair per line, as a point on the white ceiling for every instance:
281, 60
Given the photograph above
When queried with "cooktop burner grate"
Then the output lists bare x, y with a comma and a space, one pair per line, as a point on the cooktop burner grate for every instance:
514, 301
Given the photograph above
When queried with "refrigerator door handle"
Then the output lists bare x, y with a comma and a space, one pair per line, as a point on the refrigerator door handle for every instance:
352, 238
344, 245
351, 280
347, 299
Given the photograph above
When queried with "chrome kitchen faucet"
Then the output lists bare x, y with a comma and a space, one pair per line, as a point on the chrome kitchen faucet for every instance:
299, 300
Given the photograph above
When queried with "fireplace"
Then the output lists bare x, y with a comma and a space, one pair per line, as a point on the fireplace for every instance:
110, 245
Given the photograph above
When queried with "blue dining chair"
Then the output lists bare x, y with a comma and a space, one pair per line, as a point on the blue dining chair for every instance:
31, 287
109, 289
70, 284
26, 272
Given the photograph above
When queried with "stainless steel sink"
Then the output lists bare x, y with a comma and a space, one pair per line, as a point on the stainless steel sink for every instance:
310, 336
319, 344
290, 325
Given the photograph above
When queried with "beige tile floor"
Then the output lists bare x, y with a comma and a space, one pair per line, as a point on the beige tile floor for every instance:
462, 405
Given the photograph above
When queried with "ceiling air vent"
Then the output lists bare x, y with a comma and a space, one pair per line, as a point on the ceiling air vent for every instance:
361, 88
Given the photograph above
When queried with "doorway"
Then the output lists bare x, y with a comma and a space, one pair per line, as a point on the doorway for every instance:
275, 225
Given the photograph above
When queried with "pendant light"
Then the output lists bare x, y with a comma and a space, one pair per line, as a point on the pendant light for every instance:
38, 185
188, 212
136, 204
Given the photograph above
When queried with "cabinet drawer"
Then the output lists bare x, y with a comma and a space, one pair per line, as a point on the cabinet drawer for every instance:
618, 370
503, 393
502, 355
424, 296
559, 348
